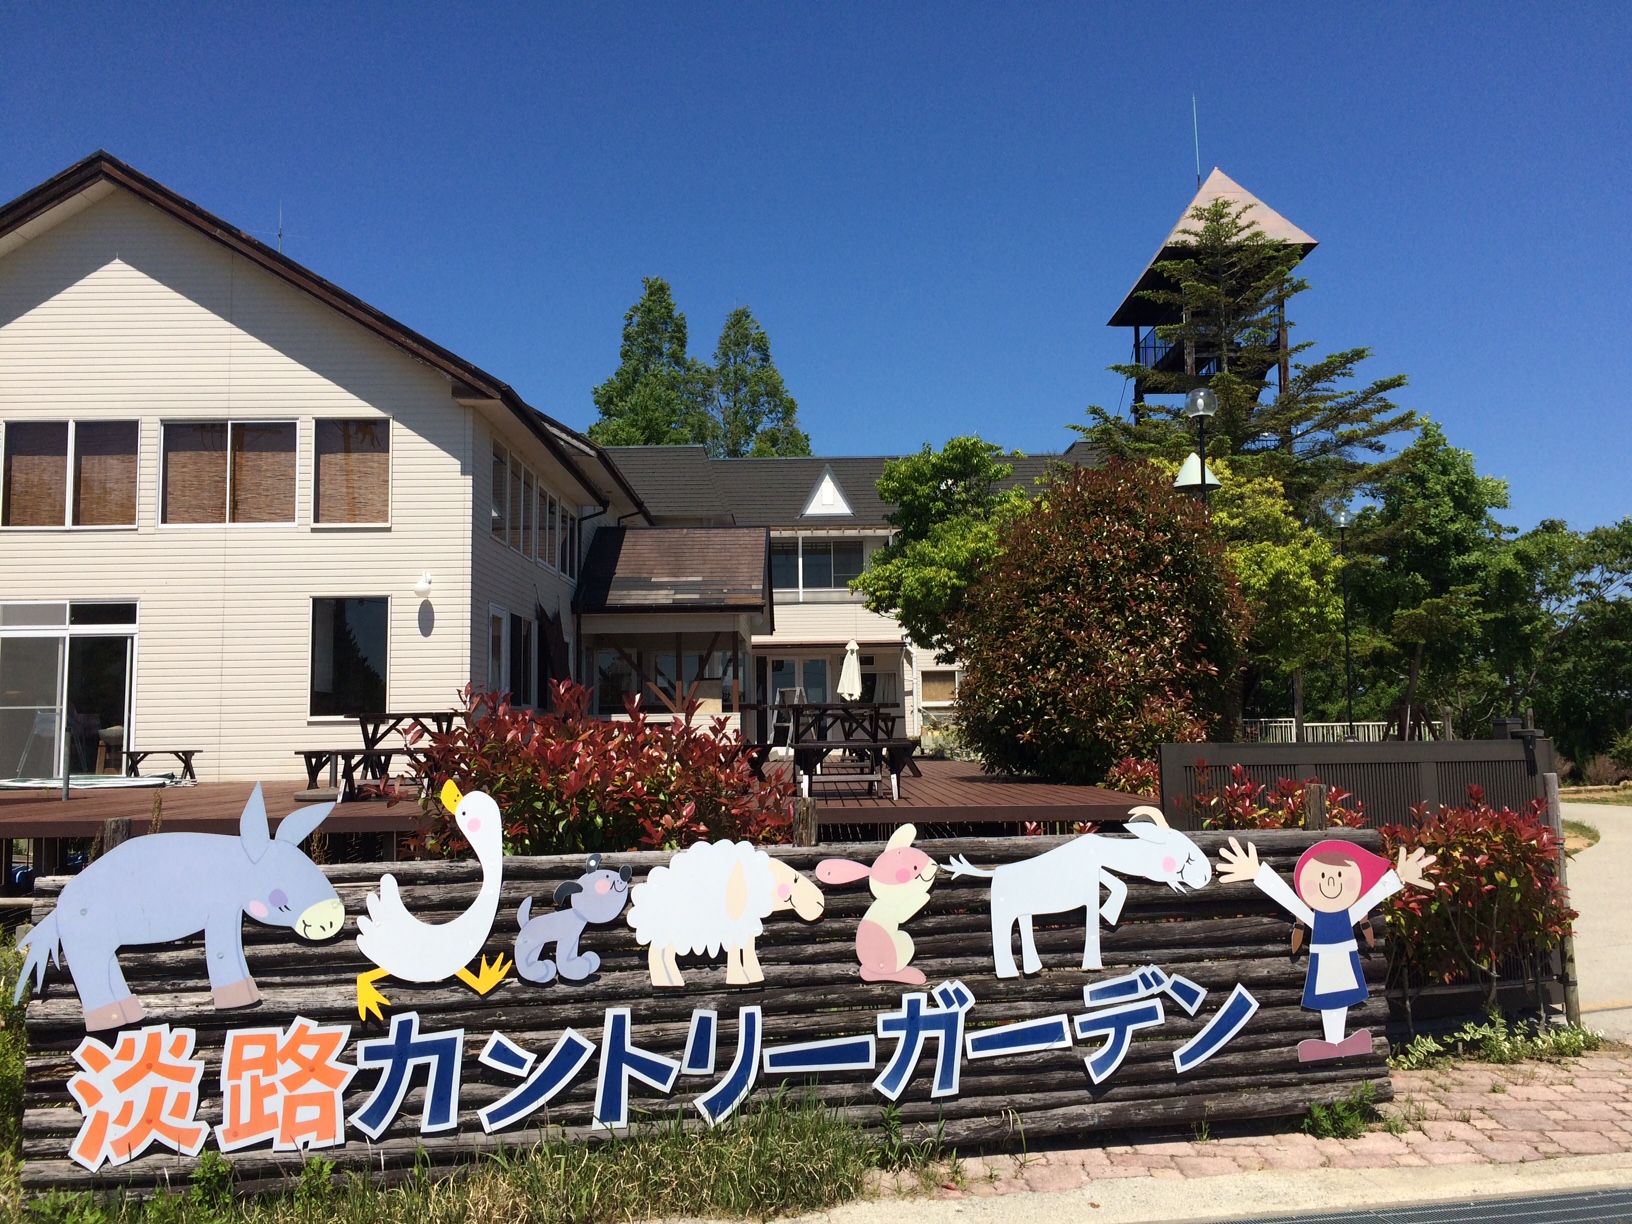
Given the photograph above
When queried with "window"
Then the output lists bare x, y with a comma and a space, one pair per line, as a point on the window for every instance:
785, 565
501, 486
938, 687
262, 484
614, 680
237, 472
831, 564
846, 561
353, 472
40, 487
515, 504
349, 638
36, 493
496, 625
527, 514
552, 547
570, 522
521, 661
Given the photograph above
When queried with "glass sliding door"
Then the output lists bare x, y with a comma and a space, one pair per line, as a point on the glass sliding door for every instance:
98, 702
30, 707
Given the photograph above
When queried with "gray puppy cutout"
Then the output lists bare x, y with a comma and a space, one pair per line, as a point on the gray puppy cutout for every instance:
597, 896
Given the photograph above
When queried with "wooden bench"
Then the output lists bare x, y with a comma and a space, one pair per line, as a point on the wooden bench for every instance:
373, 763
135, 756
885, 757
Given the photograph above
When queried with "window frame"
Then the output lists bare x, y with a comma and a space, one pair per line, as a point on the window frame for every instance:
163, 524
390, 473
68, 487
498, 615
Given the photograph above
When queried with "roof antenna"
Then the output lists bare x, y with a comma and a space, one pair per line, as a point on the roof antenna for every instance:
1195, 127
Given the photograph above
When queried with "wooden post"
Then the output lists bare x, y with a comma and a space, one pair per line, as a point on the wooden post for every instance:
115, 831
1571, 984
806, 830
157, 821
1314, 806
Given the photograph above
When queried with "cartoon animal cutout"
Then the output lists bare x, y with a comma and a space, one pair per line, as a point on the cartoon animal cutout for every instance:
596, 896
1335, 885
900, 879
413, 951
715, 895
167, 886
1070, 876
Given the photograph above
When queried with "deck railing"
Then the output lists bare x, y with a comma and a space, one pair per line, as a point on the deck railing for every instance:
1284, 731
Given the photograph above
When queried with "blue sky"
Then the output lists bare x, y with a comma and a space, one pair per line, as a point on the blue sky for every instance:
932, 209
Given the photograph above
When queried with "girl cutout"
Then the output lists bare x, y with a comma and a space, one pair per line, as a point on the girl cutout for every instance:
1338, 884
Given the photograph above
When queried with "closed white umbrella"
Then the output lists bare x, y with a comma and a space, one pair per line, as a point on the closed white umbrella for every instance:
850, 674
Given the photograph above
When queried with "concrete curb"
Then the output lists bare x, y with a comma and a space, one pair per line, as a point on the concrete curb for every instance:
1246, 1195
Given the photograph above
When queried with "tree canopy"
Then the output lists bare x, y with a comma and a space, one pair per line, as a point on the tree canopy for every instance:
662, 396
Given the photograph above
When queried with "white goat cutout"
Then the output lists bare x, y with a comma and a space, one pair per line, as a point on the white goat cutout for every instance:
1069, 877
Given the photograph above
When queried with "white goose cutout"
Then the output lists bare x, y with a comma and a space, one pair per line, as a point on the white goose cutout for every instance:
414, 951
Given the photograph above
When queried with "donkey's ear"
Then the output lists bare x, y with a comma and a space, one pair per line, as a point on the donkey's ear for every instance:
295, 827
252, 830
1152, 814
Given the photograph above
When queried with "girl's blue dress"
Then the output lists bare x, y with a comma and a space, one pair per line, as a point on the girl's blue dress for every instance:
1333, 929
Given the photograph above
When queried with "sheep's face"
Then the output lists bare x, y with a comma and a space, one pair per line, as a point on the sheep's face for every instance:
797, 892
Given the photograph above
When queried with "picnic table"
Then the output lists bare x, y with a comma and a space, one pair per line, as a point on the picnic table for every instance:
863, 732
375, 727
135, 757
372, 762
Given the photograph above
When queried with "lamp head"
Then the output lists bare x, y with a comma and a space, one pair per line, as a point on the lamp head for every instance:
422, 588
1344, 518
1202, 402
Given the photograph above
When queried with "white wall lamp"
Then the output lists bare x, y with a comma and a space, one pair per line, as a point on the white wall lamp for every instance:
422, 588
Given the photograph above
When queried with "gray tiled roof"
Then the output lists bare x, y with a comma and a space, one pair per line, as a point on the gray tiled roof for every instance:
676, 569
681, 482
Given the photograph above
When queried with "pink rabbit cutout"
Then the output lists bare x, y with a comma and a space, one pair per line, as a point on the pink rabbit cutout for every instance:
900, 879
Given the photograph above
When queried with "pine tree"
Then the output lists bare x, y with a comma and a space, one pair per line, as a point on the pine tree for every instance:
1232, 287
659, 394
753, 414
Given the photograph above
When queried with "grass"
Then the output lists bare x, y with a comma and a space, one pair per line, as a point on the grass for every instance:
1493, 1040
780, 1158
1343, 1119
1579, 831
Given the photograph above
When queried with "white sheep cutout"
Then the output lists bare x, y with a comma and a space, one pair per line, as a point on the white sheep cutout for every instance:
1069, 877
715, 895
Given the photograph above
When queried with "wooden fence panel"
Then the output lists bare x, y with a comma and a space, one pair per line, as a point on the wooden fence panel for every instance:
1390, 777
1218, 936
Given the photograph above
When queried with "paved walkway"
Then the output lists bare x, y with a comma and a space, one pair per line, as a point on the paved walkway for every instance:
1603, 934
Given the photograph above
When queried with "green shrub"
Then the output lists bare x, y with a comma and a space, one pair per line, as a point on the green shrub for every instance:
1494, 1040
1108, 625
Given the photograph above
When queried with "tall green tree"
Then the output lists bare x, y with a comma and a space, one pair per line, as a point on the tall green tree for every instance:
753, 414
1318, 436
949, 507
659, 394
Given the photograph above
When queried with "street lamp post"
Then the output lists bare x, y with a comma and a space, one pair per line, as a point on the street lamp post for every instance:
1344, 518
1198, 406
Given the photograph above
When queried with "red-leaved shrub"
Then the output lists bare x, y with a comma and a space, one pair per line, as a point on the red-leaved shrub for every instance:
1496, 893
1134, 776
567, 782
1242, 803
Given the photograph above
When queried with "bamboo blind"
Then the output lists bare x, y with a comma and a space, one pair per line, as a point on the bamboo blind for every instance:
263, 472
195, 473
36, 474
353, 471
105, 473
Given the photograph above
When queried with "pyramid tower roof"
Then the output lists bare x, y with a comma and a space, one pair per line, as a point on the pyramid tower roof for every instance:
1138, 312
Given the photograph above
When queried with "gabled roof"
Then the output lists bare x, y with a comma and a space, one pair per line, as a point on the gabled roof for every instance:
85, 181
677, 569
682, 482
1138, 312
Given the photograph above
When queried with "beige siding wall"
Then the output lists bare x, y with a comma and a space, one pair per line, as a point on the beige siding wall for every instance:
833, 623
121, 313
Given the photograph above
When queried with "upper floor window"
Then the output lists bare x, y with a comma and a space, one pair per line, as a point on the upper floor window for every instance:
785, 565
352, 471
815, 565
42, 488
529, 518
229, 472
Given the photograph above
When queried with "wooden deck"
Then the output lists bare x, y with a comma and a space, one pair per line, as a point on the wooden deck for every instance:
210, 807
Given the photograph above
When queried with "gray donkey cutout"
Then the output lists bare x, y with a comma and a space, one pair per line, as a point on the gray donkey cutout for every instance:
168, 886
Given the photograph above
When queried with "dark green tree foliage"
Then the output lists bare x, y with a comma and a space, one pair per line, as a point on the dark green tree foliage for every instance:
1107, 625
753, 412
948, 507
1317, 436
658, 394
662, 396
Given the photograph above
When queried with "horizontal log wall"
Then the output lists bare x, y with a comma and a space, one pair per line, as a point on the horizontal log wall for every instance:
1217, 936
